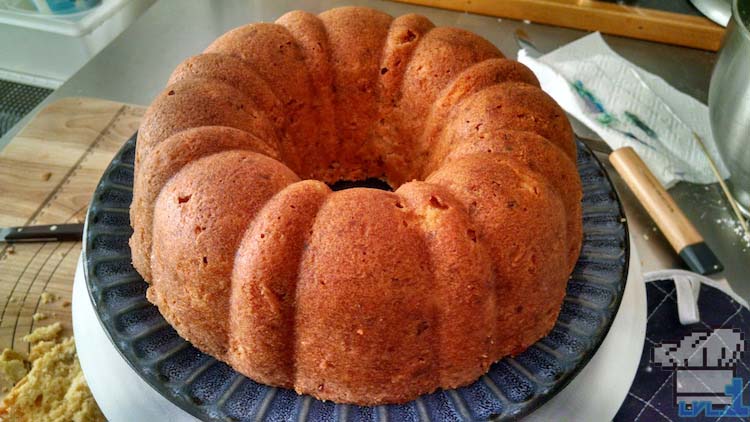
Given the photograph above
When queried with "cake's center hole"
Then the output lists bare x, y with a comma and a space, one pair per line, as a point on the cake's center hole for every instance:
372, 183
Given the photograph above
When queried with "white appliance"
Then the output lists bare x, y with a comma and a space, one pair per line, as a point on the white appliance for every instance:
45, 50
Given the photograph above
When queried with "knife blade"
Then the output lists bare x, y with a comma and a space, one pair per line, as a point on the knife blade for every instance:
46, 233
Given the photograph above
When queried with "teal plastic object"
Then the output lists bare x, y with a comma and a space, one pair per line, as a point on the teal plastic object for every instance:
64, 7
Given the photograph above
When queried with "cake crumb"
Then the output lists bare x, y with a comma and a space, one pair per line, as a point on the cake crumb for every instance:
12, 365
53, 389
46, 176
48, 297
39, 316
48, 332
735, 227
40, 348
65, 303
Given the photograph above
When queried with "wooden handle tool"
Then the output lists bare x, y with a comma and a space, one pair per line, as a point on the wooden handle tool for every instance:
679, 231
49, 233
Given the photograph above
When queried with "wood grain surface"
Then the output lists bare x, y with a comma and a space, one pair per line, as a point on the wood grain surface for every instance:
676, 227
47, 175
609, 18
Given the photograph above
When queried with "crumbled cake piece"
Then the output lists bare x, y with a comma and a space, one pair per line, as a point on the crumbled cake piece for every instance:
39, 316
12, 365
54, 390
48, 297
48, 332
40, 348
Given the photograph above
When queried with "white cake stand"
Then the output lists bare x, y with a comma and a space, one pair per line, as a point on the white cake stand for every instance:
594, 395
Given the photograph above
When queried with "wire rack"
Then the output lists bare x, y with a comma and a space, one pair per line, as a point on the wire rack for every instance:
17, 100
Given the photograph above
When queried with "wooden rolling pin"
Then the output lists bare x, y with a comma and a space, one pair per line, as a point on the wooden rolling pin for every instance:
679, 231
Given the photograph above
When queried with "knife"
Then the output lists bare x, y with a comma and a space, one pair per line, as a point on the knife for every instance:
49, 233
677, 228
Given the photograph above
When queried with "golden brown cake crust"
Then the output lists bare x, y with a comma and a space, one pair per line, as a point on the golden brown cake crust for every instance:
461, 277
310, 34
472, 80
404, 35
441, 55
168, 158
264, 284
195, 103
271, 51
383, 277
234, 72
359, 295
520, 225
355, 66
540, 156
196, 231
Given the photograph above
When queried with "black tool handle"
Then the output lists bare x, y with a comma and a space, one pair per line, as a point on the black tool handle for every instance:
52, 232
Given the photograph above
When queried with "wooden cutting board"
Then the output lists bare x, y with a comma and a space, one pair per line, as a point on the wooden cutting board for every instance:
48, 173
617, 18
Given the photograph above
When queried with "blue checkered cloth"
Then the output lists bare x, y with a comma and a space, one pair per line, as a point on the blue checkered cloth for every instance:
652, 396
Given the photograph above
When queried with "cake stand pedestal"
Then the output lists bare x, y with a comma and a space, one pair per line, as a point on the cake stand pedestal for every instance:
595, 394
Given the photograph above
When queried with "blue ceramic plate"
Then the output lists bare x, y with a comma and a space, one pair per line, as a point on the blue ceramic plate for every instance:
211, 390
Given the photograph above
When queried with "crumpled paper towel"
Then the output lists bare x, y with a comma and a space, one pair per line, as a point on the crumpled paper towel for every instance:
628, 106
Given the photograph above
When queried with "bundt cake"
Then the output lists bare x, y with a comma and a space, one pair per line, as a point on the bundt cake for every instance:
359, 295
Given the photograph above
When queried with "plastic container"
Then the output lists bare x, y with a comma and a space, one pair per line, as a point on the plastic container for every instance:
45, 49
64, 7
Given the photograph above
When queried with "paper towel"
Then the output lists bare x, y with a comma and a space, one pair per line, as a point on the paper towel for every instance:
628, 106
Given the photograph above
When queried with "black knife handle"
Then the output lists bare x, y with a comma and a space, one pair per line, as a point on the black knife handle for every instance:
52, 232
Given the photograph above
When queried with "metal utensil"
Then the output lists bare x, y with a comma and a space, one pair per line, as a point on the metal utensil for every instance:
718, 11
49, 233
729, 103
